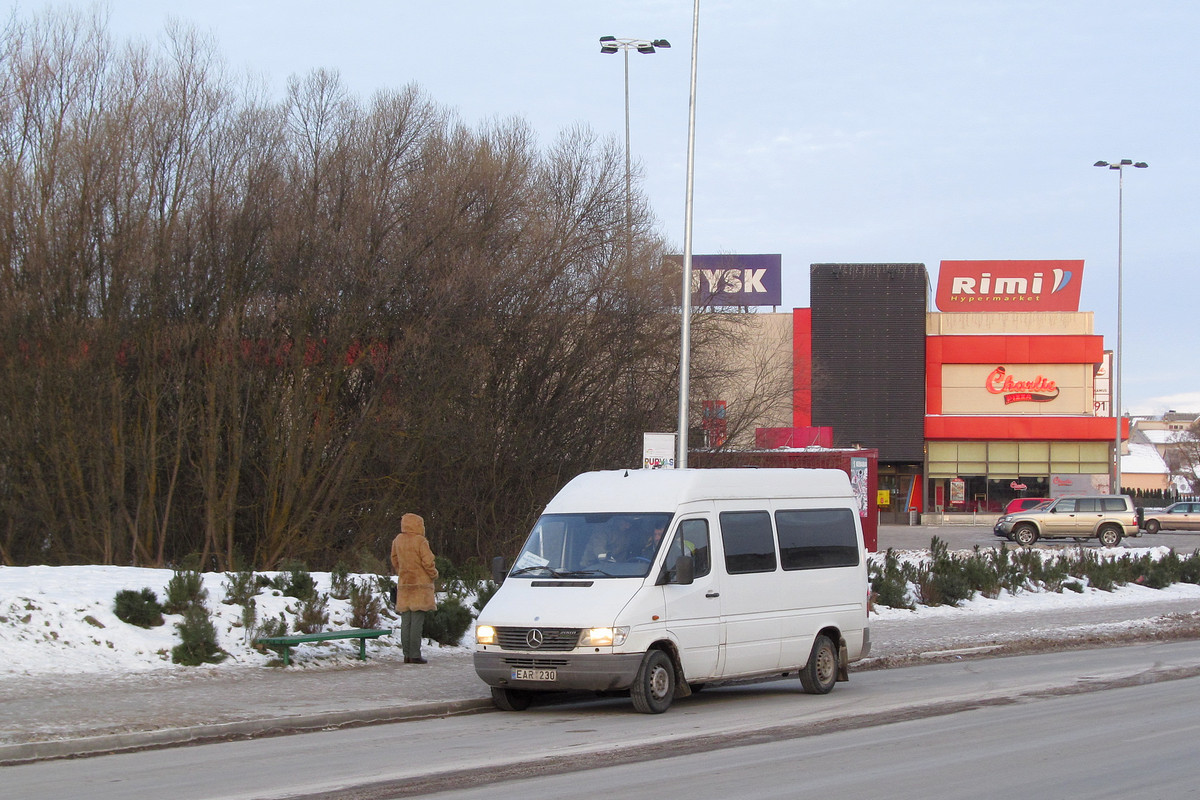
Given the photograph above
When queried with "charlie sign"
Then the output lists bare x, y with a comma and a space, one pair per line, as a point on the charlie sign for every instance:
732, 280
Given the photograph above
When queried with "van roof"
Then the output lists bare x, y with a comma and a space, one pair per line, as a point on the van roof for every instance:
646, 490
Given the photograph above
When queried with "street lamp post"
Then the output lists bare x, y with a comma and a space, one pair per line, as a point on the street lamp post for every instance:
610, 45
685, 295
1118, 361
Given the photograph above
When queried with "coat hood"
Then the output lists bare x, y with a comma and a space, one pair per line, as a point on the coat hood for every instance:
412, 523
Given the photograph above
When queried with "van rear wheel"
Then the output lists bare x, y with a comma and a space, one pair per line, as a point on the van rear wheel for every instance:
1110, 536
820, 673
510, 699
653, 688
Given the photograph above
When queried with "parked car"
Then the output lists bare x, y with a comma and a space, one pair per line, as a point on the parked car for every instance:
1024, 504
1181, 516
1108, 518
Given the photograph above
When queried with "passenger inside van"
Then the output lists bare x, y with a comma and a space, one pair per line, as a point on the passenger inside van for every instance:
614, 542
691, 539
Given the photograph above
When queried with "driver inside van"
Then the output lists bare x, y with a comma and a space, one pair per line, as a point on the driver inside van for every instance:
652, 540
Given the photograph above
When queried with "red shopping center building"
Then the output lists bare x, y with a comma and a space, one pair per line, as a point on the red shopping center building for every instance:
1003, 392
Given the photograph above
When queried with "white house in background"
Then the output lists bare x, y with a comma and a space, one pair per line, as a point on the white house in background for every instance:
1165, 434
1142, 467
1185, 488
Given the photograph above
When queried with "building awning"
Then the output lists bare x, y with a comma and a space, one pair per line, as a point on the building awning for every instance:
1028, 428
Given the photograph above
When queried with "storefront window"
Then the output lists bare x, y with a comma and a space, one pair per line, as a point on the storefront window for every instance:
980, 494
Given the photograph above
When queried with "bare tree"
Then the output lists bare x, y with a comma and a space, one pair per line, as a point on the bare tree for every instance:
241, 331
1186, 456
744, 359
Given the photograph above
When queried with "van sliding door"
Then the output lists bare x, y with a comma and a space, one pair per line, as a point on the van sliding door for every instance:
750, 613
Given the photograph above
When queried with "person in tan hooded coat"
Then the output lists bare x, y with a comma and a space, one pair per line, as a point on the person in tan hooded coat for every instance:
415, 573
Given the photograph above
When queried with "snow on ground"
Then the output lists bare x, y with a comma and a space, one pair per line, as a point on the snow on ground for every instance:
1030, 601
1006, 603
61, 620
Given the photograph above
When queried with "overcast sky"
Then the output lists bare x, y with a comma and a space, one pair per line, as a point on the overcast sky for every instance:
826, 130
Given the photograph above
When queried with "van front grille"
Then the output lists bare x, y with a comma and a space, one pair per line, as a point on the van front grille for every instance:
538, 663
553, 639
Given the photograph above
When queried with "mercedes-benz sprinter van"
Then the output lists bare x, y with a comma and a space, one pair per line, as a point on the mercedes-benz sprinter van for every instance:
656, 582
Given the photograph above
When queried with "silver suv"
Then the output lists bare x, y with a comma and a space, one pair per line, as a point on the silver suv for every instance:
1106, 517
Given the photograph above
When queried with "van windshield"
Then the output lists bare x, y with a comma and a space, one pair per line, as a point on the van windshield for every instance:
592, 546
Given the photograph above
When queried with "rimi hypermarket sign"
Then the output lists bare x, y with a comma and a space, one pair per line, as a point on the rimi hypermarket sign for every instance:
1009, 285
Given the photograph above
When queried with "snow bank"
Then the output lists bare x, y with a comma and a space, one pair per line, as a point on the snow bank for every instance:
61, 620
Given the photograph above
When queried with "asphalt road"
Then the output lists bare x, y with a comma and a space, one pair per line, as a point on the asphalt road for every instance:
1132, 742
465, 753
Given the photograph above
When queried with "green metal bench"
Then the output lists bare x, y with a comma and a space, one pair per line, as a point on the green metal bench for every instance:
288, 642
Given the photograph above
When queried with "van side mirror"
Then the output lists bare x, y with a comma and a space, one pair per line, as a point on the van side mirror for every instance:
499, 570
685, 571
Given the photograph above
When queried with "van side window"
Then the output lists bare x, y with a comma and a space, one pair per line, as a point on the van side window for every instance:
1087, 504
749, 544
691, 539
1066, 506
1113, 503
814, 538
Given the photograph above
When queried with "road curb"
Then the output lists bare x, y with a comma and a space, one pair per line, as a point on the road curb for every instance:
27, 752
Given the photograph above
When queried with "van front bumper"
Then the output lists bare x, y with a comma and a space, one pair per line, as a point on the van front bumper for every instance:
583, 671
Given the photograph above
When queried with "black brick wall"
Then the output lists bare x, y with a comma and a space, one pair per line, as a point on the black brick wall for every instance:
868, 356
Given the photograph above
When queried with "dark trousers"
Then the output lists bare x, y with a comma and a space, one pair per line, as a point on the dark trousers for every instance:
411, 625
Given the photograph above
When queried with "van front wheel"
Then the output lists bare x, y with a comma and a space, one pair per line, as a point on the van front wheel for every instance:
654, 687
820, 673
510, 699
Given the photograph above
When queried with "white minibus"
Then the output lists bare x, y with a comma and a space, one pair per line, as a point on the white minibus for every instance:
658, 582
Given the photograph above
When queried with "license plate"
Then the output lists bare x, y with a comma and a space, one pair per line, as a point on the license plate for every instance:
523, 674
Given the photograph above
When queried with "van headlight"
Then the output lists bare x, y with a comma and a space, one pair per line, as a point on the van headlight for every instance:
603, 637
485, 634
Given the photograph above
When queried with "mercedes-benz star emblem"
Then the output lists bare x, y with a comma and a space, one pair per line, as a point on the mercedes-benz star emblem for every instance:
534, 639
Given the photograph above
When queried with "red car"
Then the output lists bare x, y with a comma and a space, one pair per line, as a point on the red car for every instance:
1024, 504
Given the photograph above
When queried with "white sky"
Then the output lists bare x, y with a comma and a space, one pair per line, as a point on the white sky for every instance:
826, 130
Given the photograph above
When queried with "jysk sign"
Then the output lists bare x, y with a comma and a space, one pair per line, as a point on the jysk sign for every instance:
735, 280
1009, 285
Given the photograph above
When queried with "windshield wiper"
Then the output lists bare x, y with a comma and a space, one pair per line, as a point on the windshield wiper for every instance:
523, 570
554, 573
